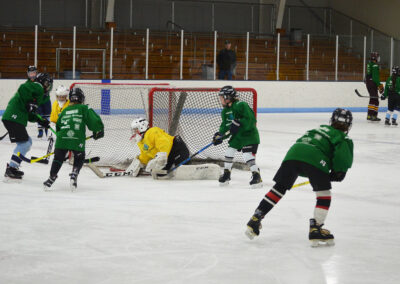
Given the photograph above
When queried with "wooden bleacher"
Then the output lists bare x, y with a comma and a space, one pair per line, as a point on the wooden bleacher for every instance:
17, 52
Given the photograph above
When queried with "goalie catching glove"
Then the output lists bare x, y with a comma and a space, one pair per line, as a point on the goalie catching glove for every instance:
158, 163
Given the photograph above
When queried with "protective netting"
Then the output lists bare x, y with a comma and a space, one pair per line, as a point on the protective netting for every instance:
195, 115
117, 105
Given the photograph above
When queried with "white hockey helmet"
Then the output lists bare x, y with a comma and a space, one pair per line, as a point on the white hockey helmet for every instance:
62, 93
139, 127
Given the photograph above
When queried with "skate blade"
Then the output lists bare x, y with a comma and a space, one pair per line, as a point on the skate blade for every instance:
257, 185
320, 243
72, 186
250, 233
47, 189
222, 184
12, 180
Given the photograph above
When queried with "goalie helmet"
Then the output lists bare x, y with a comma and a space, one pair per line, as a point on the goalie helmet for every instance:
342, 119
76, 95
228, 93
375, 56
45, 80
62, 92
32, 72
139, 126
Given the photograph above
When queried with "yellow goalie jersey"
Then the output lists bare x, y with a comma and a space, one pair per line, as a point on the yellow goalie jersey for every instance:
56, 109
155, 140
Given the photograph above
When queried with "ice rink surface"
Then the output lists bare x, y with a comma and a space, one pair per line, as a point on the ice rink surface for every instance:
139, 230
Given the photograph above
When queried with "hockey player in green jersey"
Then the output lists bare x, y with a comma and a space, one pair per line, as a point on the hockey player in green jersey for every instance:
22, 108
322, 155
239, 124
373, 83
71, 136
392, 90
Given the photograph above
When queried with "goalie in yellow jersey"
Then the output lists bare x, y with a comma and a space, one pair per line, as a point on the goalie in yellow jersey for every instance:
60, 104
159, 152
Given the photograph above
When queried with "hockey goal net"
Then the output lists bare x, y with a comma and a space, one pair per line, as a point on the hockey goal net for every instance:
195, 115
117, 105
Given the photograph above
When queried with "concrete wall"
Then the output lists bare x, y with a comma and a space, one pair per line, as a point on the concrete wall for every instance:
382, 15
273, 96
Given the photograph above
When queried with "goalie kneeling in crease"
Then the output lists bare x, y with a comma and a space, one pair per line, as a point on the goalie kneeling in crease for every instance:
159, 152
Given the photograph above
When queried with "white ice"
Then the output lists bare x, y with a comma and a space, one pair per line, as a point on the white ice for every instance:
139, 230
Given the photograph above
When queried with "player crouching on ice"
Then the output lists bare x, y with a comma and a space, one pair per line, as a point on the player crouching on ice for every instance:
159, 152
322, 155
71, 136
239, 121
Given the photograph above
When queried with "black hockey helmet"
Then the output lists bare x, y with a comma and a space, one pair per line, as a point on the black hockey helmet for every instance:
31, 72
228, 92
341, 119
45, 80
375, 56
76, 95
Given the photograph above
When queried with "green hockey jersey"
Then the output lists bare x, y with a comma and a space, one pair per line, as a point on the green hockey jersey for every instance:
28, 92
71, 126
248, 133
392, 88
373, 72
326, 148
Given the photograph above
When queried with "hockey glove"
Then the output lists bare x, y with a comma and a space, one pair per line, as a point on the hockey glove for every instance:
217, 139
44, 123
32, 108
159, 162
235, 127
98, 134
337, 176
381, 89
383, 98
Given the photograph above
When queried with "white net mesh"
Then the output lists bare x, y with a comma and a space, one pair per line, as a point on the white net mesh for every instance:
195, 115
117, 105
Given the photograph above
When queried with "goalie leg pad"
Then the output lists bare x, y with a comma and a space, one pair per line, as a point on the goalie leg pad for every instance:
134, 167
197, 172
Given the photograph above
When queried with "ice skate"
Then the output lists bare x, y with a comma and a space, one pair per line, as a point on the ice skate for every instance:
254, 225
369, 117
375, 119
256, 181
73, 181
319, 236
48, 183
387, 121
225, 178
394, 122
13, 173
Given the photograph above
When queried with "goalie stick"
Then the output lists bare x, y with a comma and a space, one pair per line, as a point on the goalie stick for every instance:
2, 137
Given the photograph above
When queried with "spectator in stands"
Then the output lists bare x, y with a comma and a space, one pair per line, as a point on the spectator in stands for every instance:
226, 61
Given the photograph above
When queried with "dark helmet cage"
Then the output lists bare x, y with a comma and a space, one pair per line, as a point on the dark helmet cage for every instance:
45, 80
375, 56
30, 69
76, 95
342, 119
228, 92
396, 70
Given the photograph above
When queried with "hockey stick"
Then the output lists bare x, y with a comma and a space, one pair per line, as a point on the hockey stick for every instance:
300, 184
35, 160
195, 154
42, 119
114, 172
49, 148
188, 159
361, 96
2, 137
32, 161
